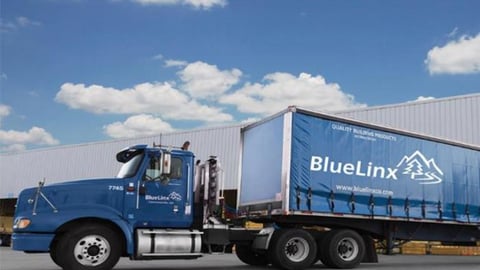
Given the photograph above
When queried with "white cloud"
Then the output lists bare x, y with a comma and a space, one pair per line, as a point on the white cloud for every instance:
13, 141
158, 2
154, 98
206, 4
250, 120
202, 80
198, 4
460, 56
35, 135
175, 63
4, 112
453, 33
13, 148
158, 57
138, 125
33, 93
199, 84
19, 22
3, 76
25, 22
283, 89
422, 98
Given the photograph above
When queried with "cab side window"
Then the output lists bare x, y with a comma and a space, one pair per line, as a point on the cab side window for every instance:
177, 166
153, 170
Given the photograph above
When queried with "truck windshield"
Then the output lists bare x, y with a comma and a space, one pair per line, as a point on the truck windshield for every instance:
130, 168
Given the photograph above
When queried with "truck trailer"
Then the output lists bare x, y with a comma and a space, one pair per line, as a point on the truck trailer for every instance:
324, 187
7, 208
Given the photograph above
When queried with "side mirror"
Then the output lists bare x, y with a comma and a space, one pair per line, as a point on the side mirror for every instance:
165, 163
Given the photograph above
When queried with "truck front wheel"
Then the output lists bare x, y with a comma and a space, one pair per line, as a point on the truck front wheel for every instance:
342, 249
53, 252
89, 248
292, 249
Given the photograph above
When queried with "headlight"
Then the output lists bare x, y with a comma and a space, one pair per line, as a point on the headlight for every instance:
21, 223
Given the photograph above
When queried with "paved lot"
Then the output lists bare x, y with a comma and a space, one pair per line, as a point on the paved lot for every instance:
13, 260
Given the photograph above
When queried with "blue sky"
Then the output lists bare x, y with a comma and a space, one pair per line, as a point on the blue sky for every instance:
76, 71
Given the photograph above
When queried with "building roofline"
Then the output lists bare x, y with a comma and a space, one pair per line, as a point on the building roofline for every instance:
106, 141
407, 104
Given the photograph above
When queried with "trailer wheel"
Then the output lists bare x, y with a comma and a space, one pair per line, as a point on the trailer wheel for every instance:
88, 248
292, 249
342, 249
248, 256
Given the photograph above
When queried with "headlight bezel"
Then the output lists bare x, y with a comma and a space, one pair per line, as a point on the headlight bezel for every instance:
22, 223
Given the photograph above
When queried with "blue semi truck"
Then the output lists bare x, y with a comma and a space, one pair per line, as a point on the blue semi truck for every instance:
323, 186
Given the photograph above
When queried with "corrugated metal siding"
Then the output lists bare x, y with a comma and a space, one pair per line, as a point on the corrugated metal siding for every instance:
455, 118
97, 160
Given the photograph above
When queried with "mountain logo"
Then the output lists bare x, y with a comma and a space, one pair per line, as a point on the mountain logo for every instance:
174, 196
421, 169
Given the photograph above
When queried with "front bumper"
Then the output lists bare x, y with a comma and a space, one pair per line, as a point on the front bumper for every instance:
32, 242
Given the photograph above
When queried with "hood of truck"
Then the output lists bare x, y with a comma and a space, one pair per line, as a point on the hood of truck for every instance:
81, 195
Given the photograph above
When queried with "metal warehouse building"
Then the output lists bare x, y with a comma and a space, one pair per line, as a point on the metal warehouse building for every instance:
454, 118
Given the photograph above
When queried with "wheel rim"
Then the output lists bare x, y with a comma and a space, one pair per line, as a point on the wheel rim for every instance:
347, 249
92, 250
297, 249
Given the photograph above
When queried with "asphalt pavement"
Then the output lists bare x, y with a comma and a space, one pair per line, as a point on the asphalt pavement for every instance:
15, 260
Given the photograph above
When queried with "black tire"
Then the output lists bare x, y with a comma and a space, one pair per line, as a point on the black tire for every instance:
248, 256
342, 249
53, 252
292, 249
5, 240
319, 239
89, 247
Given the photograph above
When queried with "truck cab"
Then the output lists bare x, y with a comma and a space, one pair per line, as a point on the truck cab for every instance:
146, 212
157, 187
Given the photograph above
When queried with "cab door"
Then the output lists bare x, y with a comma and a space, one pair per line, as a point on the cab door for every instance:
164, 200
